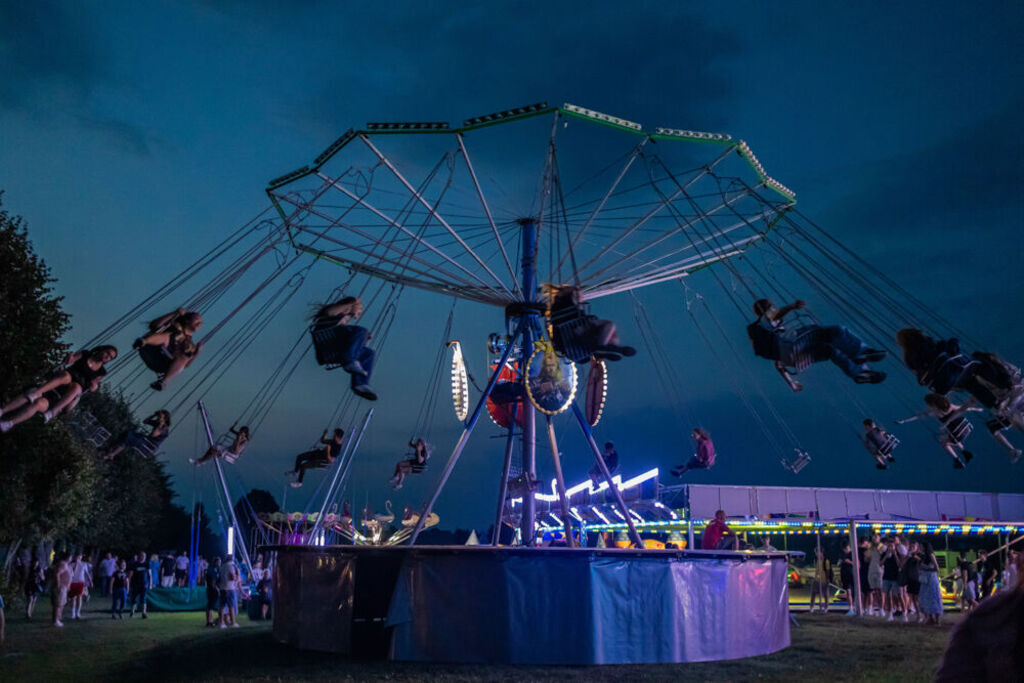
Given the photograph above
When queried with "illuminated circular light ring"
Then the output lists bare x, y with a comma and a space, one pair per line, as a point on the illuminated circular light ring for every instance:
597, 390
542, 349
460, 382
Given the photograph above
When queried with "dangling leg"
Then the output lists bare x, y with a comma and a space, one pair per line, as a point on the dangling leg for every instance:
177, 365
69, 399
360, 381
996, 427
211, 453
32, 395
34, 408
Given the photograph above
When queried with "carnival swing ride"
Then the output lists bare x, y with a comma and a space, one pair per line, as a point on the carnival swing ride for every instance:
541, 211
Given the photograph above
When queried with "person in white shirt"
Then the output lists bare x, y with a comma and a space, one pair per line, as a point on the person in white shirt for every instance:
81, 579
230, 585
108, 565
181, 570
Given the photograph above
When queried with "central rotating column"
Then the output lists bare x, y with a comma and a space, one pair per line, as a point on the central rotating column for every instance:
528, 323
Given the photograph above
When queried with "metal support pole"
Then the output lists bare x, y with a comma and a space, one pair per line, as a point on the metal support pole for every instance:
503, 488
457, 451
589, 435
560, 484
855, 556
689, 532
224, 487
339, 474
526, 324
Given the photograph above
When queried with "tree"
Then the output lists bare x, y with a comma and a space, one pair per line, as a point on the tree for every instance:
46, 476
53, 484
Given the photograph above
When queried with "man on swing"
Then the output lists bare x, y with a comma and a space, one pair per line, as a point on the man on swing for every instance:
773, 341
318, 457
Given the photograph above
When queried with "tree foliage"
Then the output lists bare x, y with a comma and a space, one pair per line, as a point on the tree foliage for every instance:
54, 486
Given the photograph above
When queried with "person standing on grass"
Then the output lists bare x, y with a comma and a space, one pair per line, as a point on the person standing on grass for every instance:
930, 599
230, 584
969, 579
891, 579
35, 583
80, 582
108, 565
140, 580
822, 580
846, 578
212, 579
60, 582
910, 575
167, 571
181, 570
118, 590
873, 555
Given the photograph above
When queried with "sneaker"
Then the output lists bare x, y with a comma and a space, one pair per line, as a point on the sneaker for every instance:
47, 415
157, 385
890, 618
851, 613
294, 485
906, 618
398, 486
880, 466
364, 391
957, 465
137, 344
235, 625
191, 461
144, 616
968, 456
870, 377
58, 623
32, 396
353, 367
890, 458
5, 427
222, 625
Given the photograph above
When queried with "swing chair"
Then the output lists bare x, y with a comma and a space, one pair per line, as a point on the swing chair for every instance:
88, 428
334, 344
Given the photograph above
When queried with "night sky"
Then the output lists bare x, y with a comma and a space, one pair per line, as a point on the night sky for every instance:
135, 136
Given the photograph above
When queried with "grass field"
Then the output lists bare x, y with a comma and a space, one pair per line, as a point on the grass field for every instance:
177, 647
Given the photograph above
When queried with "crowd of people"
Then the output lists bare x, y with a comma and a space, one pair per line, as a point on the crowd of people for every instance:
72, 579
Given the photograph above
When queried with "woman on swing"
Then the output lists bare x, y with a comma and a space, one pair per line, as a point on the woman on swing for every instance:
168, 348
413, 465
83, 371
232, 453
160, 425
773, 341
356, 358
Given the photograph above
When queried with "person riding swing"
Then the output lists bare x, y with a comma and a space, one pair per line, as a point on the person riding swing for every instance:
318, 457
809, 344
82, 372
879, 443
338, 343
144, 444
168, 347
414, 465
232, 453
578, 335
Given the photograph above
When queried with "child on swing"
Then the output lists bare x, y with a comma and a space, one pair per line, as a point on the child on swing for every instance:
357, 357
159, 423
168, 347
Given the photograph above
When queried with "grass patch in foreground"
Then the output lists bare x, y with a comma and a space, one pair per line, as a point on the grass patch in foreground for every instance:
177, 647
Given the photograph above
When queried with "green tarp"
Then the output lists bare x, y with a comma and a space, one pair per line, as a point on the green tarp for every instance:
176, 599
